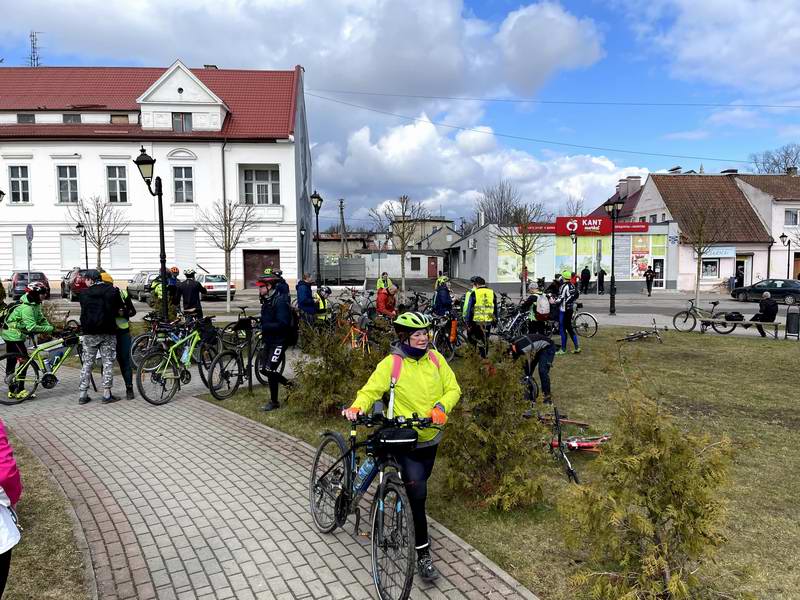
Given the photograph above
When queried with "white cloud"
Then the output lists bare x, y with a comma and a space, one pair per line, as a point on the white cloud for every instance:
691, 135
479, 141
742, 118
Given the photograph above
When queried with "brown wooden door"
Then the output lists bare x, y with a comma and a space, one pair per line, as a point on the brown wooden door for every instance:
255, 261
432, 270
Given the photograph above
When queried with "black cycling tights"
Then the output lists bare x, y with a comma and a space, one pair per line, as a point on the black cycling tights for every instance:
416, 468
5, 566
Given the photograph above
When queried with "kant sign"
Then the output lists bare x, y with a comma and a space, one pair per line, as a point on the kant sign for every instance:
596, 226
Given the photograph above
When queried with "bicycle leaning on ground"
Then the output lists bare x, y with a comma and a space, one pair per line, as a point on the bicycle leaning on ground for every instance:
560, 446
644, 333
337, 486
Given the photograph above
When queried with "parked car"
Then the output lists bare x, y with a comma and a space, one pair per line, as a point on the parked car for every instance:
73, 283
139, 286
786, 290
216, 286
18, 281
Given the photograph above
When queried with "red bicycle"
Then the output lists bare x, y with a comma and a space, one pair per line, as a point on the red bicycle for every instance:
560, 446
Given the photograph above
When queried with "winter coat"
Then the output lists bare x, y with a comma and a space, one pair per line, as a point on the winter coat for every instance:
27, 318
385, 303
442, 302
305, 298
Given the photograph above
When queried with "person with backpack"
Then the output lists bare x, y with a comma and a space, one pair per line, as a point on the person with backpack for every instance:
442, 301
100, 306
481, 312
276, 326
10, 493
539, 351
190, 292
123, 335
567, 295
426, 385
17, 321
537, 305
305, 299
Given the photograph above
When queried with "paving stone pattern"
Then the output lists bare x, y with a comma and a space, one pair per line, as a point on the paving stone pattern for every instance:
189, 500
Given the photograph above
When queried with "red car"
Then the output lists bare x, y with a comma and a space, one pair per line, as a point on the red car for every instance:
73, 283
19, 281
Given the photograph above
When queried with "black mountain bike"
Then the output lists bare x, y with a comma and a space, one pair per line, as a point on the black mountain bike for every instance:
335, 490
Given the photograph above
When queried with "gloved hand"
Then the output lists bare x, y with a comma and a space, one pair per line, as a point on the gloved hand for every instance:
438, 416
351, 413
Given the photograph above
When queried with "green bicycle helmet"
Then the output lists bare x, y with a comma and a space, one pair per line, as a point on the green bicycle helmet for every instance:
409, 322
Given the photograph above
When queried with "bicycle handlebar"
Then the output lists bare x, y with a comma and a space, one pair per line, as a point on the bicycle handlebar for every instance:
399, 421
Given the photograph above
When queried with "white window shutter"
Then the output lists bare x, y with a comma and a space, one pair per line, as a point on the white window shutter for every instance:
120, 253
184, 249
71, 255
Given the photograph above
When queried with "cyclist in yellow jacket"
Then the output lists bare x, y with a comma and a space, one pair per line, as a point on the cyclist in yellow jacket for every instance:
426, 386
480, 313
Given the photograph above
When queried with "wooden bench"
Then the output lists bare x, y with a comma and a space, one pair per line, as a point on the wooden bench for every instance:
774, 325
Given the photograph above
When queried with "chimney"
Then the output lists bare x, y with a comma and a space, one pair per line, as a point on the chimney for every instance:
729, 172
634, 184
791, 171
622, 188
214, 67
481, 219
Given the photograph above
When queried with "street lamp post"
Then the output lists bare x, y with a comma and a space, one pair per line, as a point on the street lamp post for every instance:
316, 202
145, 164
302, 251
613, 209
81, 229
574, 239
787, 242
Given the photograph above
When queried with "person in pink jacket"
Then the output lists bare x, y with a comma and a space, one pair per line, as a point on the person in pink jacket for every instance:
10, 492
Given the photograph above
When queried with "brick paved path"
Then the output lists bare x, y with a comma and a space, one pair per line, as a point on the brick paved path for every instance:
190, 500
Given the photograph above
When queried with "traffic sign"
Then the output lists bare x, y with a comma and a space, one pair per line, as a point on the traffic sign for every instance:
29, 232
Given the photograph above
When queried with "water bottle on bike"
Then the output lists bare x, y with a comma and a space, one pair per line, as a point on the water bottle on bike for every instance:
363, 472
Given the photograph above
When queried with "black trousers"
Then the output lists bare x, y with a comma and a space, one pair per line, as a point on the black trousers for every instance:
584, 287
18, 347
478, 335
760, 317
273, 356
416, 468
601, 286
649, 287
5, 565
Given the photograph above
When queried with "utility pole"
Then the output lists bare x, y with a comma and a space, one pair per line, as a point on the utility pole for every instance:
345, 251
34, 59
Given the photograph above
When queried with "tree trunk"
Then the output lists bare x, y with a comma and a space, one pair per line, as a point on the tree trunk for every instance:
99, 264
403, 272
523, 277
697, 281
228, 277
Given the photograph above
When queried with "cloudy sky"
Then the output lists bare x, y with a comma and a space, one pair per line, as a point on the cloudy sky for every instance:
378, 71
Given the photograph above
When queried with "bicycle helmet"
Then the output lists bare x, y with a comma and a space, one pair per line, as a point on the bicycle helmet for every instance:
277, 272
106, 277
37, 287
189, 272
324, 291
268, 271
409, 322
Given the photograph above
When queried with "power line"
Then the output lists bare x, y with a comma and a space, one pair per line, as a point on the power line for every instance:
529, 139
558, 102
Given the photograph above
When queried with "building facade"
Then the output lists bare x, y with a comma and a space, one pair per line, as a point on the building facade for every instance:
71, 134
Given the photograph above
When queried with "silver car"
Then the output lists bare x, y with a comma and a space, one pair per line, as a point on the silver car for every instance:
216, 286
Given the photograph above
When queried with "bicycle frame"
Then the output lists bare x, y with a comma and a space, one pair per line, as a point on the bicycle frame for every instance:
193, 339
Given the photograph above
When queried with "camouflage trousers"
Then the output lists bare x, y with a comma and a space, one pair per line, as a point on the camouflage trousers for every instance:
107, 346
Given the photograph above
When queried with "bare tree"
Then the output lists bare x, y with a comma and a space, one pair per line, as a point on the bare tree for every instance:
402, 216
225, 223
701, 228
520, 238
778, 160
102, 222
574, 207
498, 204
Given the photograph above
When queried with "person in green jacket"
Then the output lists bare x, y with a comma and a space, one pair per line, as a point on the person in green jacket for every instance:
384, 281
26, 319
426, 386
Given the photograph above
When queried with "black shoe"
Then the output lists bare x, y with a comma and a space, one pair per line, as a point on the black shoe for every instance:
129, 394
288, 384
425, 568
270, 407
547, 400
84, 400
111, 399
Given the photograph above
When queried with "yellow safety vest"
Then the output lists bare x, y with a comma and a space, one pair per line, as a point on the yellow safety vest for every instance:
322, 304
384, 284
483, 311
122, 322
466, 303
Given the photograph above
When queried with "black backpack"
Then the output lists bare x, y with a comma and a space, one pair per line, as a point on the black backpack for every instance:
97, 314
294, 327
5, 312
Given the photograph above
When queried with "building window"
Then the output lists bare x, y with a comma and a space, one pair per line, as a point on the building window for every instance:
642, 219
71, 119
663, 217
653, 218
262, 186
117, 184
463, 257
20, 184
67, 184
25, 118
182, 122
184, 188
710, 268
415, 263
790, 217
120, 120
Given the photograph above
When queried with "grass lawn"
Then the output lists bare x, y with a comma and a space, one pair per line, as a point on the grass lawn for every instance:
721, 384
46, 563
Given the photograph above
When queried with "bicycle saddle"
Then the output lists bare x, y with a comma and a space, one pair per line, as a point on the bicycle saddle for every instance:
714, 303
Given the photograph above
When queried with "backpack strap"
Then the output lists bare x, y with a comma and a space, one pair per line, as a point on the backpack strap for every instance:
434, 359
397, 366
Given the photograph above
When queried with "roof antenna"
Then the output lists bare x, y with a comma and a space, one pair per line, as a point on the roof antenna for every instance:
34, 59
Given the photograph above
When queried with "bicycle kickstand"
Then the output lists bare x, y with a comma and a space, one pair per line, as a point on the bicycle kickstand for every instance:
357, 515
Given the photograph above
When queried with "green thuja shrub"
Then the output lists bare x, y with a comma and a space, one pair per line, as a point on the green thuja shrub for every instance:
654, 518
494, 456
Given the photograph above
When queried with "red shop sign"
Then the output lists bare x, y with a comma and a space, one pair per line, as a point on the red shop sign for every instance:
583, 225
538, 228
632, 227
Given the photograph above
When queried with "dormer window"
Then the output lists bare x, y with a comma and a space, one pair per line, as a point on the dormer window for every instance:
25, 118
182, 122
71, 119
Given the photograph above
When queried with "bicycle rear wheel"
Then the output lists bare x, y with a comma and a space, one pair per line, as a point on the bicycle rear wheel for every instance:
393, 553
442, 343
585, 324
157, 377
684, 321
723, 329
225, 374
11, 380
325, 490
205, 356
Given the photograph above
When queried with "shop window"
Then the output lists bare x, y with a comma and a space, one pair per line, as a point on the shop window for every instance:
710, 268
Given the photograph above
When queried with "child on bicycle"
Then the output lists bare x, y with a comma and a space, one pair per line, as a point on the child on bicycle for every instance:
427, 387
26, 319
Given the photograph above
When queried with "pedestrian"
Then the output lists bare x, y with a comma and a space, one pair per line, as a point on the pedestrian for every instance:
276, 321
567, 296
586, 277
100, 306
123, 347
305, 299
440, 280
322, 308
190, 292
539, 351
442, 301
10, 493
767, 311
601, 279
537, 305
649, 276
739, 276
481, 313
386, 303
25, 319
282, 287
384, 281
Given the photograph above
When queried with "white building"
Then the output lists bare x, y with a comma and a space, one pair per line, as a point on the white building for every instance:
73, 132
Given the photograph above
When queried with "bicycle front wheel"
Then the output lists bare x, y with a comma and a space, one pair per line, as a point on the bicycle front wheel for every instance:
393, 553
157, 377
205, 356
723, 328
585, 325
12, 381
330, 473
684, 321
442, 343
225, 375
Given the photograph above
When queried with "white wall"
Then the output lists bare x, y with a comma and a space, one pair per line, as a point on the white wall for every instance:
391, 264
650, 203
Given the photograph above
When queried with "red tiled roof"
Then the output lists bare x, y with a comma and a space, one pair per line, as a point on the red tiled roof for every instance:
780, 187
720, 194
262, 103
627, 209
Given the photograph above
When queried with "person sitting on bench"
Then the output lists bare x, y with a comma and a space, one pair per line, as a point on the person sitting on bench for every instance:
767, 311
